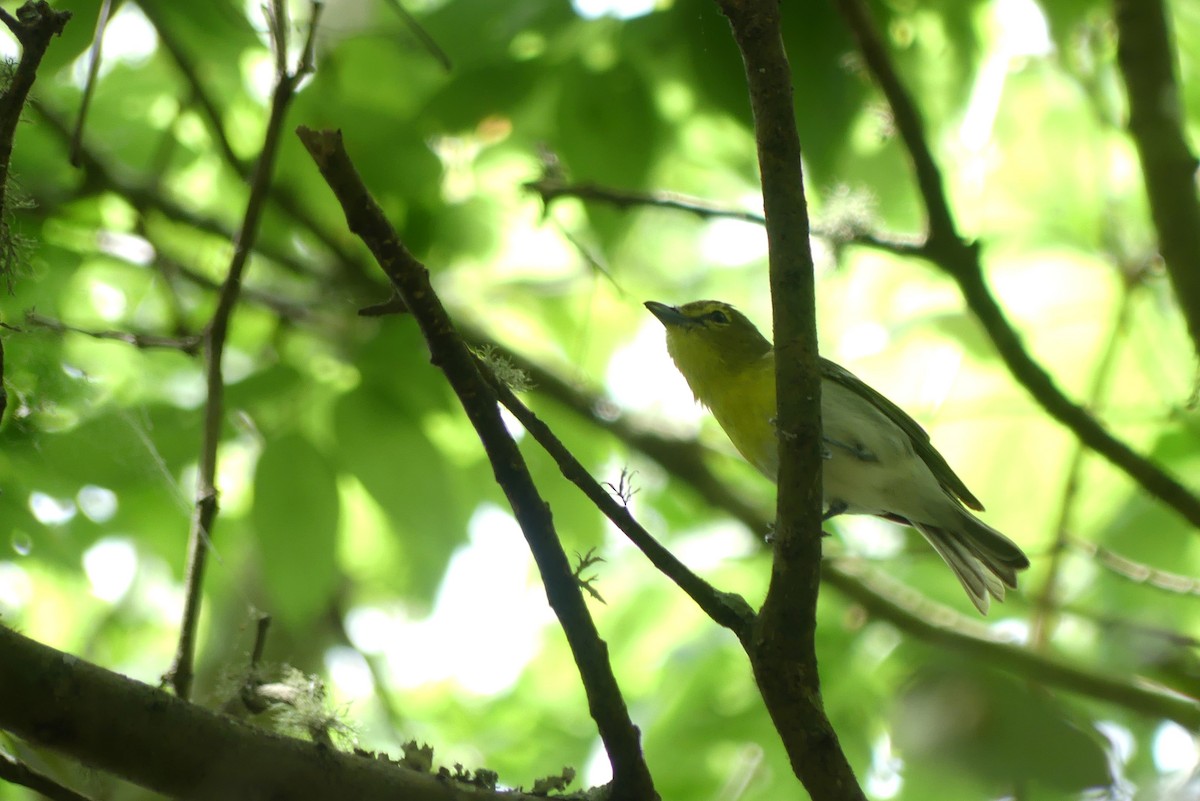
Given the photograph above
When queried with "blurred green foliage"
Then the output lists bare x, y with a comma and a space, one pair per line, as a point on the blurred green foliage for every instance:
354, 493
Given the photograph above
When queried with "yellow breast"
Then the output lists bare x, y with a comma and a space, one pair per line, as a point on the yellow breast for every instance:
744, 405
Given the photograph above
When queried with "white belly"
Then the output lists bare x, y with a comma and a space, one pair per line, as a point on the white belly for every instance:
872, 467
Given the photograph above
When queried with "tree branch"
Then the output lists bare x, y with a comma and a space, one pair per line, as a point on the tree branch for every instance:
89, 86
34, 26
200, 533
783, 652
960, 259
14, 771
189, 345
1146, 56
551, 187
121, 726
631, 776
725, 609
938, 626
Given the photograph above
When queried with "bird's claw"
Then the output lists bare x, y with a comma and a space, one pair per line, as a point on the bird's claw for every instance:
855, 449
835, 509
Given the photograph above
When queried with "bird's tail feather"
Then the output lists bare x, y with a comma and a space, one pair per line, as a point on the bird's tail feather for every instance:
983, 559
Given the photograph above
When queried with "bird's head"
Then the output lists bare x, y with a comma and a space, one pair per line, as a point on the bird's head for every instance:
708, 337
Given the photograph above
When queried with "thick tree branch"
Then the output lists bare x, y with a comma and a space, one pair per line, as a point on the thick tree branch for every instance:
631, 776
1146, 55
200, 533
783, 652
112, 723
961, 260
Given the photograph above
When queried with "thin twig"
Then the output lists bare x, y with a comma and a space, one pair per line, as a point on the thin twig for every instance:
551, 187
199, 536
198, 93
1137, 572
89, 86
291, 310
961, 260
423, 36
726, 609
1146, 55
189, 345
941, 627
103, 173
631, 776
16, 772
1107, 623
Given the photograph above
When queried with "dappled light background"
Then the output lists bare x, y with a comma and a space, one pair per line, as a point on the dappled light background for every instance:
356, 505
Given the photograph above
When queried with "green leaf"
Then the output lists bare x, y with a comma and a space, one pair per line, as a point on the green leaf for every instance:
295, 514
961, 717
381, 442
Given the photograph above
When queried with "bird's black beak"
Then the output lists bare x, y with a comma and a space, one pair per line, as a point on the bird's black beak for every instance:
668, 315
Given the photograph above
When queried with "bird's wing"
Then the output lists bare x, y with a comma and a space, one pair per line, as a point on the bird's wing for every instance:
920, 438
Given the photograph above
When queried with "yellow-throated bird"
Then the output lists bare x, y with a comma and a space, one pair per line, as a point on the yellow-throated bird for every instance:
878, 460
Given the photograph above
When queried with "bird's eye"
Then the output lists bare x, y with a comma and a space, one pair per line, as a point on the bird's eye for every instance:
719, 317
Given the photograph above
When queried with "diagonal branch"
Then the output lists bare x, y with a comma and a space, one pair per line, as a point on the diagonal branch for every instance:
1146, 55
89, 86
15, 772
725, 609
960, 259
200, 533
933, 624
631, 776
197, 92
